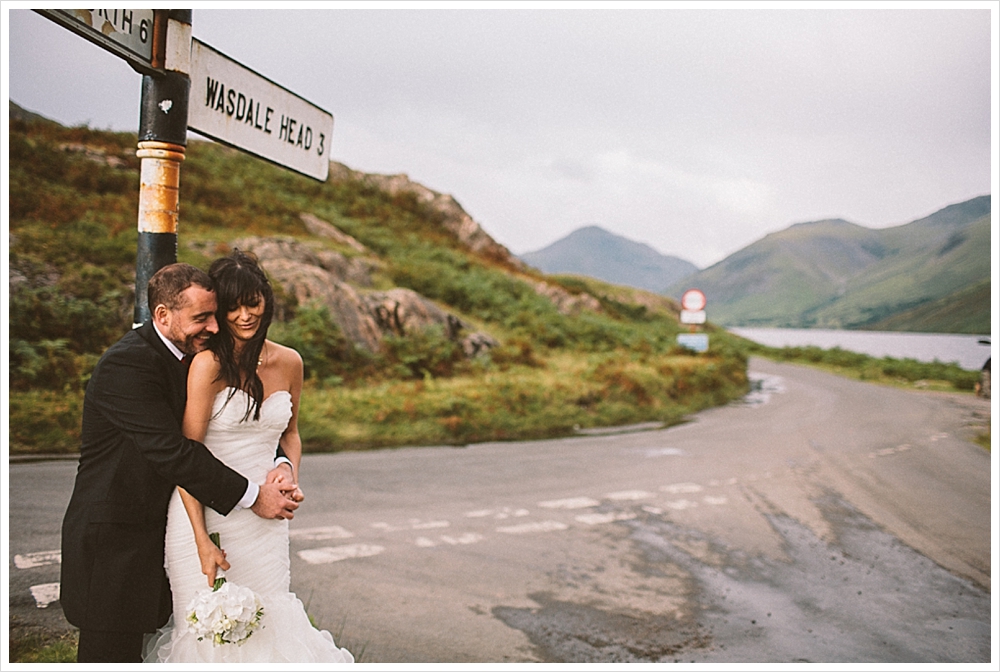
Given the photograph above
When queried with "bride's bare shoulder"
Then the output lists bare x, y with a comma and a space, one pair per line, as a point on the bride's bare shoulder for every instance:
284, 355
205, 362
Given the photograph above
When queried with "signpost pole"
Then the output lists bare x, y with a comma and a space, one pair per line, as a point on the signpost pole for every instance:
163, 118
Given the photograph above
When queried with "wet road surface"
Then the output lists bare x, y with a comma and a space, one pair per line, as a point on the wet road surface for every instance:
821, 520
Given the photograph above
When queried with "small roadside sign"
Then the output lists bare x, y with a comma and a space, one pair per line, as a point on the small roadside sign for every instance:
692, 317
696, 342
236, 106
127, 33
693, 300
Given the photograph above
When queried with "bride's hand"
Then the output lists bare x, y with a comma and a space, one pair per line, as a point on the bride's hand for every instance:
212, 558
282, 475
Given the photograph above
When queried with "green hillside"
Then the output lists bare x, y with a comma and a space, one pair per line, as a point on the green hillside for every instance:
566, 353
838, 275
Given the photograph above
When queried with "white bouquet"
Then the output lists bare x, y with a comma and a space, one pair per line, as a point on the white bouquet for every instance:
226, 613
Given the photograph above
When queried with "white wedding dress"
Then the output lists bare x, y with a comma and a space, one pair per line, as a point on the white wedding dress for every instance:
257, 550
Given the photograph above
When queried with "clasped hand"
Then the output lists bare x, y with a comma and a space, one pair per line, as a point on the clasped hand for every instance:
279, 495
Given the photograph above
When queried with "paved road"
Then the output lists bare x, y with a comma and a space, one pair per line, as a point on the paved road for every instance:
821, 520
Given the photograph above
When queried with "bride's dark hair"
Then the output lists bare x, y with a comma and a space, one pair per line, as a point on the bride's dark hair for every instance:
240, 281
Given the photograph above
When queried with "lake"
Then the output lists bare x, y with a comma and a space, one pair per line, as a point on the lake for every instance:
964, 349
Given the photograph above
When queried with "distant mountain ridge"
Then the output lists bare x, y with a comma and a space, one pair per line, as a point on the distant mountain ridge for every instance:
597, 253
932, 274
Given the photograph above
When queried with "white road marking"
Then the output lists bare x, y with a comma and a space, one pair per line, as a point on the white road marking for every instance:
600, 518
429, 525
45, 594
467, 538
328, 554
655, 510
39, 559
414, 524
890, 451
631, 495
571, 503
715, 501
658, 452
498, 514
386, 527
678, 488
544, 526
320, 533
681, 504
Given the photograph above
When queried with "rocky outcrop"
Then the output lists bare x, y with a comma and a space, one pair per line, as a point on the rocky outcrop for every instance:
469, 233
287, 250
566, 302
454, 218
321, 229
365, 317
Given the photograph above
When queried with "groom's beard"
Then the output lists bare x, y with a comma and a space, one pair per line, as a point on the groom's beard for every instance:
191, 344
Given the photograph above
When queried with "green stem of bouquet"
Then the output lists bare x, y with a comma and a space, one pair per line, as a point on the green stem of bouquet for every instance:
214, 536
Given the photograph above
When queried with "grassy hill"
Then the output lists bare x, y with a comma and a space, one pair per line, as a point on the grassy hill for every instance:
928, 275
73, 203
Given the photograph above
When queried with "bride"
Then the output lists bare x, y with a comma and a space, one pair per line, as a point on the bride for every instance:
243, 399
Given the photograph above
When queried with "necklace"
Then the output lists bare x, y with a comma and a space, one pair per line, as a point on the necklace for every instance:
260, 358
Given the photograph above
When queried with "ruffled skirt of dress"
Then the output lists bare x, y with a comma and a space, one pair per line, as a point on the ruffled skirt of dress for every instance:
257, 551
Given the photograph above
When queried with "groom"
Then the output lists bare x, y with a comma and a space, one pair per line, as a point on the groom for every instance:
132, 455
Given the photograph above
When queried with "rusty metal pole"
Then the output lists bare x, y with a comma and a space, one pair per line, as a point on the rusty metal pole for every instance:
163, 119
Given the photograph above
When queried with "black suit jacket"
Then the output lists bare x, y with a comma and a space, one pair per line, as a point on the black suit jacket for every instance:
132, 455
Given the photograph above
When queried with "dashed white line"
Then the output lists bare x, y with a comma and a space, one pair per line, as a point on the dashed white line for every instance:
543, 526
321, 556
320, 533
657, 452
429, 525
45, 594
600, 518
681, 504
414, 524
681, 488
629, 495
39, 559
890, 451
570, 503
468, 538
498, 514
715, 501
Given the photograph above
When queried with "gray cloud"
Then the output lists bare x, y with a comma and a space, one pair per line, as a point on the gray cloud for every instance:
694, 131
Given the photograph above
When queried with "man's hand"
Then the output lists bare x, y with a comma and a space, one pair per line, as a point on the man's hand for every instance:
275, 501
283, 474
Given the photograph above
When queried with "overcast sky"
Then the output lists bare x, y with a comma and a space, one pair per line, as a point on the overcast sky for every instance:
696, 131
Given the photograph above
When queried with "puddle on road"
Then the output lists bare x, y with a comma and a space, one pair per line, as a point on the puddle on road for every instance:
865, 597
762, 386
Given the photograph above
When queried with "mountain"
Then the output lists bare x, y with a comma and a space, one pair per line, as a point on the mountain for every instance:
597, 253
932, 274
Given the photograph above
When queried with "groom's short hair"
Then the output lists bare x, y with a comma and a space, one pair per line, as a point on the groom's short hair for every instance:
168, 284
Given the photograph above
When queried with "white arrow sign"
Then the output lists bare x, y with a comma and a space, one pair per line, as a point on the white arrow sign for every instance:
238, 107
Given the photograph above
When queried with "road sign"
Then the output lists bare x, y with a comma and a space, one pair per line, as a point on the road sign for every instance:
693, 300
696, 342
238, 107
693, 317
127, 33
